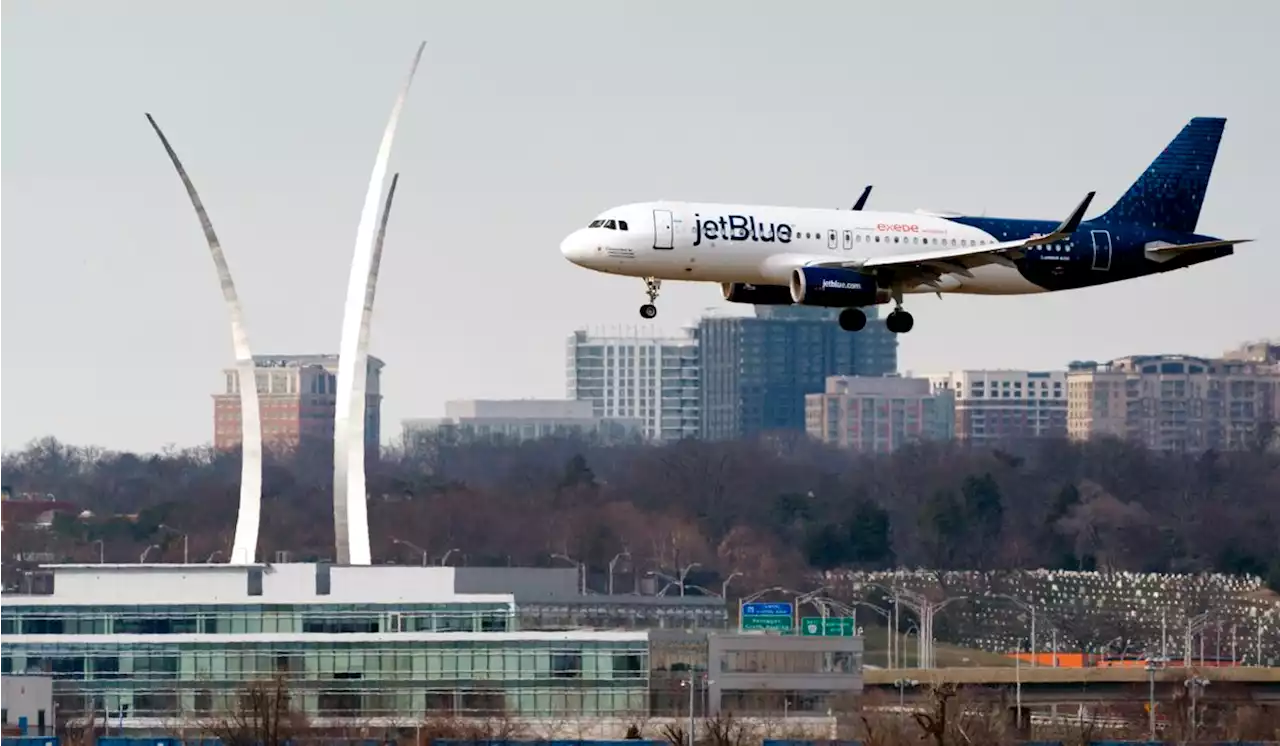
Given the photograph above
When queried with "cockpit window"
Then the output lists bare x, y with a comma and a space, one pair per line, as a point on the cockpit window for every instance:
610, 225
596, 224
622, 225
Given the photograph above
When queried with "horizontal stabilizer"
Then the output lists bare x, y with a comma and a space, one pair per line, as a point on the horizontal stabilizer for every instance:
1163, 251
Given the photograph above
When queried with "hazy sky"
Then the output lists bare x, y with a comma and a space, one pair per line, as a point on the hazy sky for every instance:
527, 119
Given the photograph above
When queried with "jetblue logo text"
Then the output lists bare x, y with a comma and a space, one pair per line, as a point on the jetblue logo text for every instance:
738, 228
838, 285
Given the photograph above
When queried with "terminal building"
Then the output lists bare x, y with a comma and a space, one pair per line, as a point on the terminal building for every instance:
151, 647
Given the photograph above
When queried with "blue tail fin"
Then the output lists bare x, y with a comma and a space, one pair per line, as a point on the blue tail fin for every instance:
1170, 192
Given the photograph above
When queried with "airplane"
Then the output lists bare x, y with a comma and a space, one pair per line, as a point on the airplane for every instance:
853, 259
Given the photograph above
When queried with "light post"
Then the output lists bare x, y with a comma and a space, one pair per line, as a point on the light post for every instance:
1195, 624
582, 571
612, 563
142, 559
1196, 684
102, 550
412, 546
927, 610
685, 573
692, 723
890, 634
185, 541
724, 587
802, 598
1030, 608
1153, 665
445, 559
902, 685
670, 580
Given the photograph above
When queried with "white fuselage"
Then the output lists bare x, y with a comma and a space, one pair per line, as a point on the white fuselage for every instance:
763, 245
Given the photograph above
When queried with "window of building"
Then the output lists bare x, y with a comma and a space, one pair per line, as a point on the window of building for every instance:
255, 581
566, 665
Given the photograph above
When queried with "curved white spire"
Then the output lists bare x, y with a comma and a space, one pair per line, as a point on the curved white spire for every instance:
350, 509
245, 548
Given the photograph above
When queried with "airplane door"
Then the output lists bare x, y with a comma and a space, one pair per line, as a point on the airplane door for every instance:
848, 240
662, 229
1101, 250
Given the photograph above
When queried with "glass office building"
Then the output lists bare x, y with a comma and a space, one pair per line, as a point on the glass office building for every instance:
151, 645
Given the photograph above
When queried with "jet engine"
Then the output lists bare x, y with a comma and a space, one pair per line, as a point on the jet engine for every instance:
833, 287
756, 295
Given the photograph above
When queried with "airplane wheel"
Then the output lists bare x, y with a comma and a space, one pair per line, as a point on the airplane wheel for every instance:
648, 311
853, 319
900, 322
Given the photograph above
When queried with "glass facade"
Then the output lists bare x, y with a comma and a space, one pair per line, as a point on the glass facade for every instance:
757, 371
407, 662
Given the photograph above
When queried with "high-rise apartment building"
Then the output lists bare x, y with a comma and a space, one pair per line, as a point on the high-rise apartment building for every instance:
996, 405
1176, 402
877, 415
635, 376
518, 419
757, 370
297, 396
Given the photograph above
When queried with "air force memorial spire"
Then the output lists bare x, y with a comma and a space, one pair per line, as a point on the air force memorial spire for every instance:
245, 547
350, 509
351, 521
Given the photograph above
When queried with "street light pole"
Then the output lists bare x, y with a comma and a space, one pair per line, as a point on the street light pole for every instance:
412, 546
582, 571
724, 587
612, 563
1031, 609
185, 541
685, 573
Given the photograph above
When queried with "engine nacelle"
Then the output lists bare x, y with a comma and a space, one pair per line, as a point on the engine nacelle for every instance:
832, 287
757, 295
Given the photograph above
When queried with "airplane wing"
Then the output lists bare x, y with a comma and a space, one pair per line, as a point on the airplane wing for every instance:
926, 266
1161, 251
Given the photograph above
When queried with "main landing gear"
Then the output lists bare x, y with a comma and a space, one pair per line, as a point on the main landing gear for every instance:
899, 321
652, 286
855, 320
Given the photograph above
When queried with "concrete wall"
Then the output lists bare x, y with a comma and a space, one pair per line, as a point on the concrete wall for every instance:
722, 676
29, 697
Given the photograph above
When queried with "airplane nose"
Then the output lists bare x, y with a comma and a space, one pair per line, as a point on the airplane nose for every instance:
575, 247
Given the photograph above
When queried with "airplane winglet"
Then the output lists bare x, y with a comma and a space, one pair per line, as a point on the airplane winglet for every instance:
862, 201
1071, 223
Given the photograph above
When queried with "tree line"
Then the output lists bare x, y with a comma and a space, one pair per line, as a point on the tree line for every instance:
773, 508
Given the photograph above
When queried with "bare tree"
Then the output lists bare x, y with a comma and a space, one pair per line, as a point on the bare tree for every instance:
261, 714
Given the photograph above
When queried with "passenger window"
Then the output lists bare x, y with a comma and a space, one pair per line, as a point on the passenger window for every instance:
622, 225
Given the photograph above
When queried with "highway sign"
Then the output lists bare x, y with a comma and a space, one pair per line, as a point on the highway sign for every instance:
763, 615
772, 623
835, 626
759, 608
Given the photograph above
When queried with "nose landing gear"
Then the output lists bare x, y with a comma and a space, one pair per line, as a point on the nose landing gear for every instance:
652, 286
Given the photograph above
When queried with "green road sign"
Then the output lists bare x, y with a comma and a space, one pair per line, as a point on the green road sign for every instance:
774, 623
835, 626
